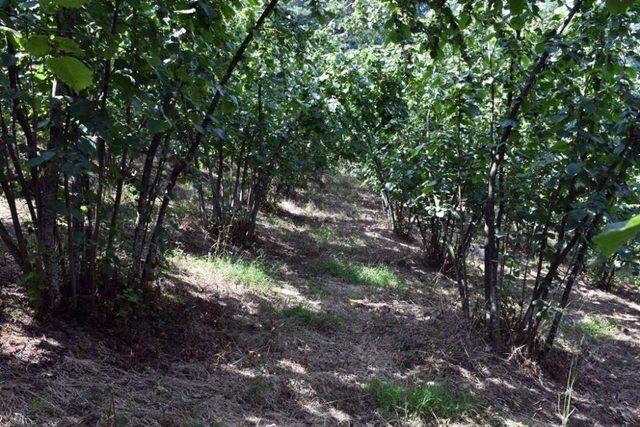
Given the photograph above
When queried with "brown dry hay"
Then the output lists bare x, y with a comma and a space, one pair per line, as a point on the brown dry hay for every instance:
218, 351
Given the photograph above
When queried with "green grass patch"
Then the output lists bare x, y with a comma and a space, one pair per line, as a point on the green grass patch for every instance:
242, 272
249, 273
421, 401
323, 236
598, 326
371, 275
307, 316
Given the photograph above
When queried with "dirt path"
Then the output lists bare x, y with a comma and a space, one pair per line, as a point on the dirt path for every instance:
294, 338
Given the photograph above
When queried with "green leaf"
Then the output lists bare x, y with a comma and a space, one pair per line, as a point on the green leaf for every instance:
517, 6
221, 133
574, 169
8, 30
208, 10
45, 156
618, 6
73, 4
124, 82
517, 22
615, 235
67, 45
226, 105
157, 125
71, 71
37, 45
226, 10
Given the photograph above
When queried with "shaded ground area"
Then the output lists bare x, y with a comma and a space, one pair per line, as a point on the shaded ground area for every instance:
328, 301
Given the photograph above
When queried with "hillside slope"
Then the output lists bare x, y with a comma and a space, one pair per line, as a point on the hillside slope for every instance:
308, 329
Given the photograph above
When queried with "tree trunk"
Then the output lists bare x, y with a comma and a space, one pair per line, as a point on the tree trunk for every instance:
47, 223
191, 152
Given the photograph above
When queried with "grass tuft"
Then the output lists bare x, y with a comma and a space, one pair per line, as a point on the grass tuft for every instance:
258, 390
371, 275
598, 326
249, 273
323, 237
40, 405
305, 315
421, 401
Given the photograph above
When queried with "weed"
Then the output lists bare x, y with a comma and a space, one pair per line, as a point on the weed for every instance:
421, 401
128, 302
310, 208
242, 272
564, 400
272, 218
35, 285
192, 423
371, 275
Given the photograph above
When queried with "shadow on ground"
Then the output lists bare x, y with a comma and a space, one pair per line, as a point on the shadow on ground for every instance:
302, 350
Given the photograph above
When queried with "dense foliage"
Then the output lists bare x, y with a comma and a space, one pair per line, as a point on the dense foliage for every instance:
512, 125
106, 107
508, 125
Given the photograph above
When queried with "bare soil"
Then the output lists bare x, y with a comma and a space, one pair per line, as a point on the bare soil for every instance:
214, 351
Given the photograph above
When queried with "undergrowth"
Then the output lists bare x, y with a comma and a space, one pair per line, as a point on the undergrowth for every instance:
323, 237
371, 275
305, 315
258, 390
239, 271
421, 401
318, 289
598, 326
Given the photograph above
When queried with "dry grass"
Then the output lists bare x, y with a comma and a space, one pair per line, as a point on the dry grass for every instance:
257, 340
